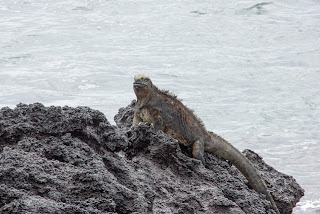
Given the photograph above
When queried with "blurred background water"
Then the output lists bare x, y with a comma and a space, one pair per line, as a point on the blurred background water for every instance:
250, 69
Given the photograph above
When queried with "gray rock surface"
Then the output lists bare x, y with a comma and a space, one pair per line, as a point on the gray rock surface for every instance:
72, 160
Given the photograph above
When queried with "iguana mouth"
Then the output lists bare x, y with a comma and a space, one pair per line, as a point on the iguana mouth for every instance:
139, 84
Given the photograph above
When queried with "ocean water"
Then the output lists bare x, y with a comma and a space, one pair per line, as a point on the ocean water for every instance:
249, 69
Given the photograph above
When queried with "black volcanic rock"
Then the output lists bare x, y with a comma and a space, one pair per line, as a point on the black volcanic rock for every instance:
72, 160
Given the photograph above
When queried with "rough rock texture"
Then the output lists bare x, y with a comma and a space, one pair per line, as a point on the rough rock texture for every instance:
72, 160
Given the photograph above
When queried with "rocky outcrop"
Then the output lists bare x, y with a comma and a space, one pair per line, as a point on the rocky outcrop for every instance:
72, 160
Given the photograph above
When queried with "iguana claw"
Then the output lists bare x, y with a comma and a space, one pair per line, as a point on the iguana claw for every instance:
146, 124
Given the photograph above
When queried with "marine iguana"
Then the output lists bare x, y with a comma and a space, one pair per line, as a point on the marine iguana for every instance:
164, 111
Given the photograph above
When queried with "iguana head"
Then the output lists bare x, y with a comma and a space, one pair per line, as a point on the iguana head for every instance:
142, 87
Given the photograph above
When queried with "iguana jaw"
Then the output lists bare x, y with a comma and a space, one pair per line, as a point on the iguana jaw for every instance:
139, 84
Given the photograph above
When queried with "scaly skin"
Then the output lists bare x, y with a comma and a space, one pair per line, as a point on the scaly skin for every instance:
163, 111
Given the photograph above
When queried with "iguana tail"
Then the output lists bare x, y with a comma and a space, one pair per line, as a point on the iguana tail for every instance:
225, 150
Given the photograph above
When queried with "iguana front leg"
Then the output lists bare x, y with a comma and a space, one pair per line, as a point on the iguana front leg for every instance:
136, 119
198, 151
150, 117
